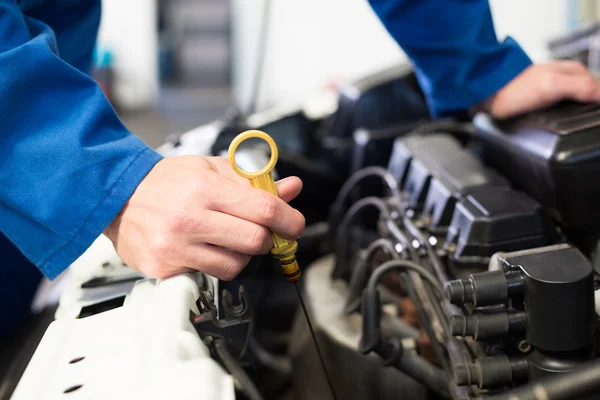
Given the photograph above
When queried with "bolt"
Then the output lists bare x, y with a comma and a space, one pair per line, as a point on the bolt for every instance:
524, 346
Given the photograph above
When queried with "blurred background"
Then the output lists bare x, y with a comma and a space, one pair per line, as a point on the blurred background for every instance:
172, 65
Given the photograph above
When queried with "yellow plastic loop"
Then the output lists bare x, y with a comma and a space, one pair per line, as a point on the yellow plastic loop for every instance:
283, 249
242, 137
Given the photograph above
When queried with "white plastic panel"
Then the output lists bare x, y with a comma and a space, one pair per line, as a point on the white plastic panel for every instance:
146, 349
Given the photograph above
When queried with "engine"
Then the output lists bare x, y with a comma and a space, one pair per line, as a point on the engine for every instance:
471, 274
448, 260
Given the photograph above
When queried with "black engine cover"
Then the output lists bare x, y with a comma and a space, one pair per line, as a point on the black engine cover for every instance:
554, 156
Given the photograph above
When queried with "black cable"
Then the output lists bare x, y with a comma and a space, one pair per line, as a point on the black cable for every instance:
420, 369
343, 229
273, 361
358, 206
229, 362
247, 339
381, 243
360, 273
408, 283
404, 265
355, 178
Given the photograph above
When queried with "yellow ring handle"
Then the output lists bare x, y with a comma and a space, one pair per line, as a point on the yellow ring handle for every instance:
239, 139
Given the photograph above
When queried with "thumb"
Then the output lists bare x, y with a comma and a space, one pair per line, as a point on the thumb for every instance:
289, 188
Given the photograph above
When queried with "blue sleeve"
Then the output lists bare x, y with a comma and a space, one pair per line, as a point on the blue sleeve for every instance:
453, 46
68, 165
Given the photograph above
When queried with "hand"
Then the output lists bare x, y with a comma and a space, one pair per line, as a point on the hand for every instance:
542, 85
195, 213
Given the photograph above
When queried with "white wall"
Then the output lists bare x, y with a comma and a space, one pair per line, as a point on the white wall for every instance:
128, 29
311, 43
315, 42
531, 22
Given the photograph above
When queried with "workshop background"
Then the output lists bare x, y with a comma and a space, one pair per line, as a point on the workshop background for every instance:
171, 65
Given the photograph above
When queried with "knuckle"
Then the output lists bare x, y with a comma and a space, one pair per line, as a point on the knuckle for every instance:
232, 269
298, 225
178, 222
187, 221
163, 247
258, 240
268, 208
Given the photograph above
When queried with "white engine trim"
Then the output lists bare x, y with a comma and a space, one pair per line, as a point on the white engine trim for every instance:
146, 349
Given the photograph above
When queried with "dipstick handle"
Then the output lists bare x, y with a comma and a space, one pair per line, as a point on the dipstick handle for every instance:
283, 249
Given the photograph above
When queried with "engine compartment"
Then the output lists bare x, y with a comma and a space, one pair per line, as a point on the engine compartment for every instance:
478, 232
442, 259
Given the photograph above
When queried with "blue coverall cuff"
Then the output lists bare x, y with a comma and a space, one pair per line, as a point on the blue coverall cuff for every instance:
451, 101
111, 205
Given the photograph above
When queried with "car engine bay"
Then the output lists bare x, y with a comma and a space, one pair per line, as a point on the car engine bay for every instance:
450, 259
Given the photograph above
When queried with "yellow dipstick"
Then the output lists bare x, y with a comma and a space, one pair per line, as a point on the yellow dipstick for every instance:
283, 249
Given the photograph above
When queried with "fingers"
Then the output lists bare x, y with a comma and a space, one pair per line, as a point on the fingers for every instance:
216, 261
289, 188
541, 86
582, 87
258, 206
568, 67
229, 232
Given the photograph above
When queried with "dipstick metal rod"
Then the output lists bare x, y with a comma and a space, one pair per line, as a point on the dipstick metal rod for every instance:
314, 337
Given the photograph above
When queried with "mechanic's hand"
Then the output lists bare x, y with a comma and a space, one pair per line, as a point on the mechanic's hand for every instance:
195, 213
542, 85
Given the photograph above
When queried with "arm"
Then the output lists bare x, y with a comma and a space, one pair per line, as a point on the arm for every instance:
70, 171
460, 63
68, 165
452, 43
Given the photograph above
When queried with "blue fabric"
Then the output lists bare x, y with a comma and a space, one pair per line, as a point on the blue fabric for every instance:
457, 57
68, 164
